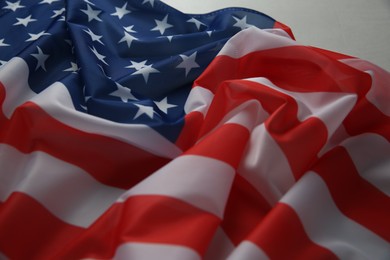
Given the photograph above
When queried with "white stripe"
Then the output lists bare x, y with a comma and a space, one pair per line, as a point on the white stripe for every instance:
265, 166
371, 155
248, 114
67, 191
279, 32
220, 247
330, 107
200, 181
57, 102
334, 140
328, 227
379, 93
248, 250
254, 39
199, 100
154, 251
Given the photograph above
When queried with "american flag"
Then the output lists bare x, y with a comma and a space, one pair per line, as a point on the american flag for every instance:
131, 130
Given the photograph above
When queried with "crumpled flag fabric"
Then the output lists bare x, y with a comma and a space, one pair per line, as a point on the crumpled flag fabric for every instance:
129, 130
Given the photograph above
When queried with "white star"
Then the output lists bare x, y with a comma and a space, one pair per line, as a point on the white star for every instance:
98, 55
83, 107
151, 2
162, 25
13, 6
41, 59
209, 33
120, 12
94, 37
25, 21
48, 1
2, 43
2, 63
188, 62
73, 67
123, 93
104, 72
58, 12
129, 29
168, 37
196, 22
145, 71
241, 23
34, 36
144, 110
163, 105
142, 68
86, 97
128, 38
92, 14
137, 65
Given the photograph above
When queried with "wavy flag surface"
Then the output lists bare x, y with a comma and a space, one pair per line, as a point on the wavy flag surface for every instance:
131, 130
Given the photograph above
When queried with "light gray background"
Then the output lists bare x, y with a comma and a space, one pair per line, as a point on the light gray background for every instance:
358, 28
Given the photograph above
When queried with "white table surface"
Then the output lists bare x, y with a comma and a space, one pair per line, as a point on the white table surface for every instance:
359, 28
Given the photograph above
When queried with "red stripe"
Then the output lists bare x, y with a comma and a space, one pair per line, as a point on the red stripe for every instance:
282, 236
244, 210
356, 198
223, 102
294, 68
279, 25
231, 94
29, 231
300, 141
150, 219
226, 143
110, 161
366, 118
190, 132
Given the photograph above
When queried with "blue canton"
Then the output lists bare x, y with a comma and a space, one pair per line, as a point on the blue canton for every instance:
126, 61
